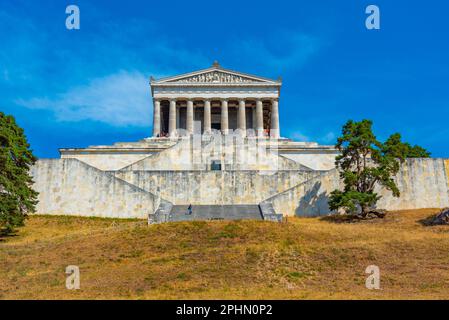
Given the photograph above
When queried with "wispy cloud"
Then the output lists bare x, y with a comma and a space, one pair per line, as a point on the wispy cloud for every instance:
88, 76
299, 136
121, 99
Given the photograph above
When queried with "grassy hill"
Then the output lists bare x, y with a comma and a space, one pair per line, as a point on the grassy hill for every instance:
304, 258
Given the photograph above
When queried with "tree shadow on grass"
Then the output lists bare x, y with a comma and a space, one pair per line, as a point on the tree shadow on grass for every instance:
342, 218
355, 218
430, 221
5, 234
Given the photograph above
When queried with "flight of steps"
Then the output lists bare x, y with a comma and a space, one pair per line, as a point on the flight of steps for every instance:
162, 213
268, 212
215, 212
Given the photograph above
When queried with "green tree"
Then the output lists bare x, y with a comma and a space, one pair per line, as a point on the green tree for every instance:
17, 198
364, 162
362, 165
403, 150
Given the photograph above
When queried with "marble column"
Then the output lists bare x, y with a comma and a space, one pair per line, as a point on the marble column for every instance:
274, 132
172, 118
253, 119
259, 117
241, 117
156, 118
207, 117
224, 117
189, 120
178, 124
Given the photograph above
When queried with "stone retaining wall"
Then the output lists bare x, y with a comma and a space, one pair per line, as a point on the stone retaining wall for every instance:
423, 183
71, 187
215, 187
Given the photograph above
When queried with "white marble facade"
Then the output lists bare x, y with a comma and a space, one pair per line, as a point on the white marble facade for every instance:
215, 98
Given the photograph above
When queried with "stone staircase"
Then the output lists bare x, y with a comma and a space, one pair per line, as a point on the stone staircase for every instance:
268, 212
215, 212
162, 214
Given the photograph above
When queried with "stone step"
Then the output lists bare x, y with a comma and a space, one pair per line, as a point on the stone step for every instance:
269, 213
215, 212
162, 213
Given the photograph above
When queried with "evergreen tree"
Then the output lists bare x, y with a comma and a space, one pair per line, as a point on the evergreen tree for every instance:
17, 198
403, 150
365, 162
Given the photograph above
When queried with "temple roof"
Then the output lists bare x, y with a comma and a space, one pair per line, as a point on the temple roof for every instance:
215, 75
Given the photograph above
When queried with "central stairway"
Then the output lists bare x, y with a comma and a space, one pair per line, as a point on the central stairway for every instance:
215, 212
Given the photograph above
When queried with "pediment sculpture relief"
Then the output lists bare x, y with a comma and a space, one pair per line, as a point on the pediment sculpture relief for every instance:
216, 77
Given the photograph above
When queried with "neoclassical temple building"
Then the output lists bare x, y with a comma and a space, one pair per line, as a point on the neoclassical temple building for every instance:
216, 144
216, 98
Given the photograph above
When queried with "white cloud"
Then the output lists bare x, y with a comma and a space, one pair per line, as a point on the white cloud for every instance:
298, 136
329, 137
121, 99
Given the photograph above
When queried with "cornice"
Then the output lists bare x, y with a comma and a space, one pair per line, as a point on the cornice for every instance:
216, 85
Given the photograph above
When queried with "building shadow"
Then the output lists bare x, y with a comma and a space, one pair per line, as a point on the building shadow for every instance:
315, 202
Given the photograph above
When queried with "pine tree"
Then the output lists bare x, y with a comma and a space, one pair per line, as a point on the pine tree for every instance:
403, 150
17, 198
365, 162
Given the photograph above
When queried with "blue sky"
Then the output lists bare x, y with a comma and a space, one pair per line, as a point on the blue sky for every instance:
90, 86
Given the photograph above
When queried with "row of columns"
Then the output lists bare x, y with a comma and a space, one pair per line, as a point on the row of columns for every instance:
241, 117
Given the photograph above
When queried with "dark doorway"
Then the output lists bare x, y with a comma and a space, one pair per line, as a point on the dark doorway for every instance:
215, 165
216, 126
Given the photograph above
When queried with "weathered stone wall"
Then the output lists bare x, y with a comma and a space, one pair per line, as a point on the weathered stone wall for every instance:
423, 183
118, 155
308, 198
71, 187
446, 165
107, 161
215, 187
195, 154
316, 160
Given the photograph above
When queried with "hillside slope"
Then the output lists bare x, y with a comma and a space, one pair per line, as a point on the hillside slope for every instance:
303, 259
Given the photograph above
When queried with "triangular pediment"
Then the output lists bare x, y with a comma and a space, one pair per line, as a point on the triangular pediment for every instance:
215, 75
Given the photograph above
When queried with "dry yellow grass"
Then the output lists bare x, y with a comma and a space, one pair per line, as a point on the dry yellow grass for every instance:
306, 258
